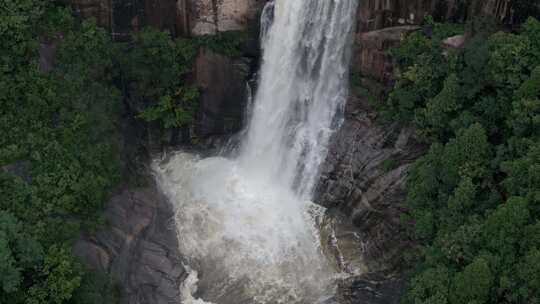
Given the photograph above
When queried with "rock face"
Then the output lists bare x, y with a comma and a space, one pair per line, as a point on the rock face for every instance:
211, 16
364, 180
364, 177
377, 14
222, 81
371, 58
139, 248
370, 289
180, 17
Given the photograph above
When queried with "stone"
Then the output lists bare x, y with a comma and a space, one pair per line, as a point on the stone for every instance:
455, 42
208, 17
371, 58
370, 288
21, 169
133, 248
377, 14
203, 17
222, 81
354, 180
233, 15
95, 256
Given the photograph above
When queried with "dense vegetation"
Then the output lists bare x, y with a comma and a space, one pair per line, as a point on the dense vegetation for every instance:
474, 198
61, 148
58, 134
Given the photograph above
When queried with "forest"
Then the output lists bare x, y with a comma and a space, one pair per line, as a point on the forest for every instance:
61, 151
474, 198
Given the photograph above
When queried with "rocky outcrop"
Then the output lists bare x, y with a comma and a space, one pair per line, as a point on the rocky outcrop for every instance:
139, 248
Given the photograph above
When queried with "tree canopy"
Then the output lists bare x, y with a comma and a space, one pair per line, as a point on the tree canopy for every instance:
474, 198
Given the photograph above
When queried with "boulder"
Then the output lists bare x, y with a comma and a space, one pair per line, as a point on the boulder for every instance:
455, 42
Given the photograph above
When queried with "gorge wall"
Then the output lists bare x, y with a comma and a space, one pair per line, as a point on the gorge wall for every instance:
180, 17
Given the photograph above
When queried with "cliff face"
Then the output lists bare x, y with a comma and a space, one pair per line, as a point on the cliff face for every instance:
180, 17
211, 16
377, 14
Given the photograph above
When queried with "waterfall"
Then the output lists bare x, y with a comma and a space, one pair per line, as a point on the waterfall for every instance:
303, 86
246, 226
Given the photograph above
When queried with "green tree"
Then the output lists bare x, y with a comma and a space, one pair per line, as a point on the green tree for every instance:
474, 198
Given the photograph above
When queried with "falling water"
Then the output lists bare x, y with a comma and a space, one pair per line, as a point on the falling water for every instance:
246, 227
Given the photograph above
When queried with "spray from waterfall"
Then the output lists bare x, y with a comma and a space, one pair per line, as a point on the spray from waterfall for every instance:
245, 225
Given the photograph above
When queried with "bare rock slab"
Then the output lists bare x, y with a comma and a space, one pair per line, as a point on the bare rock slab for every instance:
139, 248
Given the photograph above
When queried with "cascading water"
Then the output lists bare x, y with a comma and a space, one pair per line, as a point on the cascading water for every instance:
246, 226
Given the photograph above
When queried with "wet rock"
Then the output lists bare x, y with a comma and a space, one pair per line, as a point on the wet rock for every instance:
371, 288
364, 178
139, 248
222, 81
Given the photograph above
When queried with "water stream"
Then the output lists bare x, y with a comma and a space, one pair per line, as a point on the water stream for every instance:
246, 226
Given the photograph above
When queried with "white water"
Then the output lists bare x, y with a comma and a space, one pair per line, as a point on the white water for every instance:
246, 226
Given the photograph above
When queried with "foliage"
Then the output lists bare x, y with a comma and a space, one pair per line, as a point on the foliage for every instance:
156, 65
170, 112
18, 252
61, 125
474, 198
60, 137
18, 22
228, 43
